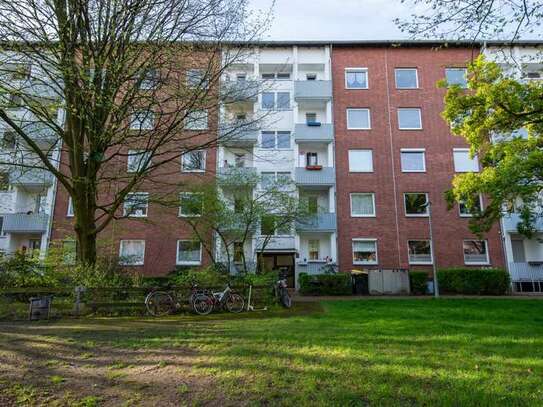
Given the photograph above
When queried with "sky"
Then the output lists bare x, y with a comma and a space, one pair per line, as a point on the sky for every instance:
333, 19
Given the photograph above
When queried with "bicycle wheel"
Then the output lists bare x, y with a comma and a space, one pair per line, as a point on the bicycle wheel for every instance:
235, 303
159, 303
286, 301
202, 304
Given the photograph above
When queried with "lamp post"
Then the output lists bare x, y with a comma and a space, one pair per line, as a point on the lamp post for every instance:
434, 267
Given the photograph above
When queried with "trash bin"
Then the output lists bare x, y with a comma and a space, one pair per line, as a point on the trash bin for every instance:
360, 283
40, 307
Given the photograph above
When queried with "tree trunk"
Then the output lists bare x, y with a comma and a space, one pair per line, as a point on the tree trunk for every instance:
86, 246
84, 205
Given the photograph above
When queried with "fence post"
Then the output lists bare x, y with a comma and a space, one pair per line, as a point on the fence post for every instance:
77, 306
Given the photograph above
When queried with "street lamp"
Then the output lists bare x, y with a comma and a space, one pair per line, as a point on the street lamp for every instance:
434, 267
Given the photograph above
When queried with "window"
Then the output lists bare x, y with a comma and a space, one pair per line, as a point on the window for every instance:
189, 252
196, 120
268, 100
413, 160
70, 210
276, 139
132, 252
191, 204
463, 162
136, 204
467, 212
311, 76
267, 225
279, 100
241, 77
138, 160
356, 78
311, 118
313, 249
456, 76
238, 252
283, 228
358, 119
360, 161
276, 75
2, 234
267, 179
284, 177
4, 181
475, 252
142, 120
193, 161
149, 80
268, 76
283, 75
362, 205
311, 159
416, 204
283, 100
409, 118
420, 252
69, 248
406, 78
364, 251
196, 78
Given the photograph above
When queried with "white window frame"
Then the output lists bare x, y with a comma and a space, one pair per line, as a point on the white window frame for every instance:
198, 170
191, 121
409, 108
70, 209
363, 239
309, 249
469, 215
148, 122
457, 68
185, 215
357, 69
125, 209
420, 262
358, 109
407, 69
476, 263
358, 171
187, 263
415, 215
353, 215
414, 150
132, 154
276, 134
465, 150
124, 263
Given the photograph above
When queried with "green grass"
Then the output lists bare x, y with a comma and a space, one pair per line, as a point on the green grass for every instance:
450, 352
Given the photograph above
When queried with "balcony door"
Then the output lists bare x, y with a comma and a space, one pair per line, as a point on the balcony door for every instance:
519, 256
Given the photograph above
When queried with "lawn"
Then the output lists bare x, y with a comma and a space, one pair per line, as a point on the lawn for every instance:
450, 352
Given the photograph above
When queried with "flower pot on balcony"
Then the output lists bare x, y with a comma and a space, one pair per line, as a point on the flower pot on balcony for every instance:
313, 167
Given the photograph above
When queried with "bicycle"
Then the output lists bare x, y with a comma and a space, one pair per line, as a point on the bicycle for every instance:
281, 293
226, 299
160, 303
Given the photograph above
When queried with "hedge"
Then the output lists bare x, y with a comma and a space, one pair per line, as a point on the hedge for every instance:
473, 281
418, 281
325, 284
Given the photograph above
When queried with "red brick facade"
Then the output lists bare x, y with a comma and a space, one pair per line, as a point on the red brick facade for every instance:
390, 226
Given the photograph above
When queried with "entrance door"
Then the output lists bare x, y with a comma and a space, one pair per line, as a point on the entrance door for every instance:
281, 262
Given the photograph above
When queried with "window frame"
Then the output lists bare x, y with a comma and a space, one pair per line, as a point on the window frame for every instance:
149, 116
469, 215
185, 215
457, 68
415, 215
358, 171
465, 150
367, 109
417, 85
418, 109
353, 215
204, 159
354, 70
363, 239
124, 263
134, 153
420, 262
125, 212
192, 120
190, 262
70, 208
476, 263
413, 150
309, 251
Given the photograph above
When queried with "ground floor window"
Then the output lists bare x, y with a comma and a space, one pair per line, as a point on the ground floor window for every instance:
313, 249
420, 252
475, 252
189, 252
132, 252
364, 251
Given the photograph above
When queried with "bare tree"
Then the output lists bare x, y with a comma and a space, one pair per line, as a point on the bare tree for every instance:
106, 81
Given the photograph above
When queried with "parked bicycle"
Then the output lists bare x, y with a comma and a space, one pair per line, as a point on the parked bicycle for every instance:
226, 299
160, 302
281, 293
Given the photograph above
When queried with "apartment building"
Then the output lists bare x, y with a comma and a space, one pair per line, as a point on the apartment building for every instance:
294, 140
396, 157
524, 256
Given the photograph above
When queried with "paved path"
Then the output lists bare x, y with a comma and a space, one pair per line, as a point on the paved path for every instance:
303, 298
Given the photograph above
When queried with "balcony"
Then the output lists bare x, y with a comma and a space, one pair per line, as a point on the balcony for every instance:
318, 132
30, 177
277, 244
321, 222
323, 177
240, 91
25, 223
527, 277
313, 90
232, 136
510, 222
237, 176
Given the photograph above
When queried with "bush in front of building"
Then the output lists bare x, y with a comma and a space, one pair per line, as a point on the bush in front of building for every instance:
491, 281
418, 281
325, 284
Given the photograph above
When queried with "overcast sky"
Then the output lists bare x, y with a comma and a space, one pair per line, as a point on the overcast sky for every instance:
334, 19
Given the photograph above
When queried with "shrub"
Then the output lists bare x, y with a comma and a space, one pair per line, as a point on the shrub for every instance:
418, 280
325, 284
473, 281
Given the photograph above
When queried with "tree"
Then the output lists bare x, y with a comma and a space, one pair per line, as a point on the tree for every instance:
238, 209
502, 120
111, 76
473, 19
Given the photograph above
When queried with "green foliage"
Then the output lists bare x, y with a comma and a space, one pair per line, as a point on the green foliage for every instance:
21, 271
418, 281
473, 281
207, 276
325, 284
491, 116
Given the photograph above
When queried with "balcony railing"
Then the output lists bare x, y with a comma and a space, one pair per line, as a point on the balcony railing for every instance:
276, 243
510, 222
319, 132
320, 222
240, 91
31, 177
313, 90
237, 176
25, 223
526, 277
322, 177
233, 135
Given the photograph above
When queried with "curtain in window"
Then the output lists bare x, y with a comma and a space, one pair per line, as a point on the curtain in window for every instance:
188, 251
412, 161
132, 251
362, 204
